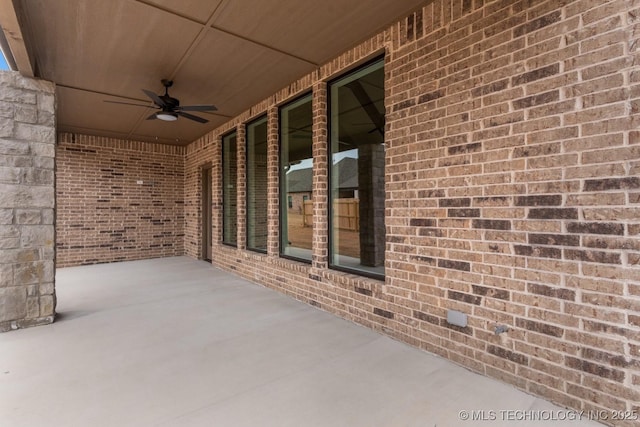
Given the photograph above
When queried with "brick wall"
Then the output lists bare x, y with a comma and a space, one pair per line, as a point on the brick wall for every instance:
118, 200
193, 194
512, 161
27, 201
511, 195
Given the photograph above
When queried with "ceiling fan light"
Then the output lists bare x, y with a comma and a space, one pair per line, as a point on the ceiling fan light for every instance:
167, 116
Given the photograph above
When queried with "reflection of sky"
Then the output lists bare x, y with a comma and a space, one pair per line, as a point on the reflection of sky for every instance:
307, 163
3, 62
341, 155
304, 164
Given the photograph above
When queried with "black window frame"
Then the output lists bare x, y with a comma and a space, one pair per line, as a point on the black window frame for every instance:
262, 118
225, 188
330, 220
281, 174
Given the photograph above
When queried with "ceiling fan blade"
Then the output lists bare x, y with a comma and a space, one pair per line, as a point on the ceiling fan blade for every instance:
156, 99
192, 117
129, 103
197, 108
152, 117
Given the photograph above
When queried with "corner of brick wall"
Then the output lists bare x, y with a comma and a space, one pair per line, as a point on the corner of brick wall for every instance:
118, 200
27, 200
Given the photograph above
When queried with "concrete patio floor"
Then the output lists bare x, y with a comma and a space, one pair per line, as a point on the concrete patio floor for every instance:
176, 342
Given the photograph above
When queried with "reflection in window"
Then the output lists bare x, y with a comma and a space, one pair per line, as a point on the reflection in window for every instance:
257, 185
229, 189
296, 172
357, 237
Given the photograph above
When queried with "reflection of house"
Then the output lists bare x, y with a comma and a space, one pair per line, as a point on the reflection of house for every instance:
299, 186
300, 182
346, 175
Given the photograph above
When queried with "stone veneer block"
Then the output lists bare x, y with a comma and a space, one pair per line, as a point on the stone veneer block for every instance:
27, 200
13, 303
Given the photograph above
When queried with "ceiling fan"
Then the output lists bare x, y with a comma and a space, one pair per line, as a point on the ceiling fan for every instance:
169, 107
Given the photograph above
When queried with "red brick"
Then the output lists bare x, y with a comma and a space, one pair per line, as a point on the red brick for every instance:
132, 196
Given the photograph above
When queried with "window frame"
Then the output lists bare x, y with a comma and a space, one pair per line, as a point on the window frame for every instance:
330, 219
281, 176
224, 188
262, 118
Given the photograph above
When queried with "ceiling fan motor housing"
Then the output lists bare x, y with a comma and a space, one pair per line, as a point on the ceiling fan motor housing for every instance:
170, 103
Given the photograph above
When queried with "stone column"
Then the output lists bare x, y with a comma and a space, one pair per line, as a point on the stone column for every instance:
27, 201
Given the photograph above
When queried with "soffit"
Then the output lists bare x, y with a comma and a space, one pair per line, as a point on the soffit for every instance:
229, 53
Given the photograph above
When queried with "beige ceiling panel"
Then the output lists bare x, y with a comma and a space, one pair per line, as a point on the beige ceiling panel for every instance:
234, 74
310, 29
198, 10
80, 109
115, 46
94, 49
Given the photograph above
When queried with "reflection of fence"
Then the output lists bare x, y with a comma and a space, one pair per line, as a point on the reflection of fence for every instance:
307, 213
346, 213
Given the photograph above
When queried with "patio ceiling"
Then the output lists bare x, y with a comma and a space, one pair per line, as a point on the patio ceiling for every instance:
230, 53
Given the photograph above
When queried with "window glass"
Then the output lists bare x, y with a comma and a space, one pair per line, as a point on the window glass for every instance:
296, 173
257, 185
357, 228
230, 189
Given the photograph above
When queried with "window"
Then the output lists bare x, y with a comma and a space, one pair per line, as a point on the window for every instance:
357, 193
230, 189
257, 185
296, 172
